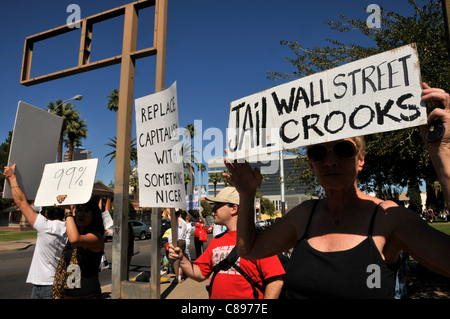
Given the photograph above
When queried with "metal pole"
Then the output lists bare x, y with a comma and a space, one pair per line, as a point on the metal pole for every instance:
155, 253
122, 173
283, 208
160, 44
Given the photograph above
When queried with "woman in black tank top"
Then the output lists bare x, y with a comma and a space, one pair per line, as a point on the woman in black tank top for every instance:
77, 273
346, 245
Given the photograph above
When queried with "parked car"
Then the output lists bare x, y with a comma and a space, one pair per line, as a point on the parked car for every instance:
140, 229
209, 229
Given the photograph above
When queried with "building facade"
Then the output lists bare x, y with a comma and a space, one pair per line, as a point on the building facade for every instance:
79, 154
271, 187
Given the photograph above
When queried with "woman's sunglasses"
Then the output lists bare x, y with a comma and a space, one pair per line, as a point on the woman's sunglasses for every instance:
342, 150
85, 212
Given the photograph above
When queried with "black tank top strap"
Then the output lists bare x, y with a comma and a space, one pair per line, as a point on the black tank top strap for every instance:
309, 219
373, 219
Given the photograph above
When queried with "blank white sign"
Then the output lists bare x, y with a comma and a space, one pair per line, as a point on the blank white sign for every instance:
33, 144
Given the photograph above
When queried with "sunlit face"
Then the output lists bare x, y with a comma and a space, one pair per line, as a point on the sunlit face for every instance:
83, 216
222, 213
334, 172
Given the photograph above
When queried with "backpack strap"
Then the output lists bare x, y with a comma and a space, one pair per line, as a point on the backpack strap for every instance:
229, 262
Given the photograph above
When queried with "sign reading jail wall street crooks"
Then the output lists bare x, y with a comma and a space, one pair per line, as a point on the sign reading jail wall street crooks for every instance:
161, 174
74, 179
377, 94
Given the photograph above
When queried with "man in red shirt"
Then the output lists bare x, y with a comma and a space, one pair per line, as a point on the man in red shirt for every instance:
230, 284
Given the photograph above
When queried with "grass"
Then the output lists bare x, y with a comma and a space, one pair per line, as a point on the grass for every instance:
442, 226
9, 235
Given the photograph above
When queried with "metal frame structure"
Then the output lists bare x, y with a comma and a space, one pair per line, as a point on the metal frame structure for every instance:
120, 288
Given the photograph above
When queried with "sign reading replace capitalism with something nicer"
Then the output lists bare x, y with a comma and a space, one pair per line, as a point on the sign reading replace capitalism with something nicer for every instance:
161, 175
377, 94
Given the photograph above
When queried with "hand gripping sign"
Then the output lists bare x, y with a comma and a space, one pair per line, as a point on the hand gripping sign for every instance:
377, 94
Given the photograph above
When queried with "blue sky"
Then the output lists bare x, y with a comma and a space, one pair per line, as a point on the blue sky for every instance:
218, 51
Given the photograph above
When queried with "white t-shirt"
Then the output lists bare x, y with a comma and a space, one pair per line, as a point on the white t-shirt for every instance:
188, 234
182, 228
51, 240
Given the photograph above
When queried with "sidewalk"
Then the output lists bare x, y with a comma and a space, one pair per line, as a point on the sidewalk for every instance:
189, 289
16, 245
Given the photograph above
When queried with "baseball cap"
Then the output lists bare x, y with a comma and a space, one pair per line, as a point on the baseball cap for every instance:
226, 195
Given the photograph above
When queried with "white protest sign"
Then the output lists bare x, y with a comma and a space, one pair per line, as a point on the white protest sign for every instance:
74, 179
161, 174
34, 143
377, 94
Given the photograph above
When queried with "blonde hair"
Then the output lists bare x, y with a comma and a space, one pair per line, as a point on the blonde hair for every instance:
360, 144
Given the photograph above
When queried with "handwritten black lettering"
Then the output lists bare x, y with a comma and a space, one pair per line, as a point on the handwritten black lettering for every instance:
405, 68
313, 126
340, 84
410, 107
381, 113
283, 136
366, 79
328, 119
355, 112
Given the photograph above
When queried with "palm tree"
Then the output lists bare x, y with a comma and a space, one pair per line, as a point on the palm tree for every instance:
201, 168
187, 179
224, 180
190, 133
113, 101
188, 160
76, 130
215, 178
69, 115
113, 144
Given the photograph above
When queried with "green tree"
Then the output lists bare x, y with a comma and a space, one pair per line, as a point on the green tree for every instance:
215, 178
398, 157
189, 133
187, 180
113, 101
267, 207
4, 155
112, 154
75, 130
415, 200
69, 115
201, 168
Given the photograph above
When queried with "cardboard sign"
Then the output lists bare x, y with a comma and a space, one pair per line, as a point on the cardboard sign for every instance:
34, 143
74, 179
161, 173
377, 94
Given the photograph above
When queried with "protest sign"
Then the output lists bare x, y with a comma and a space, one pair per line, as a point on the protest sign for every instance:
34, 143
74, 179
377, 94
192, 202
161, 174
